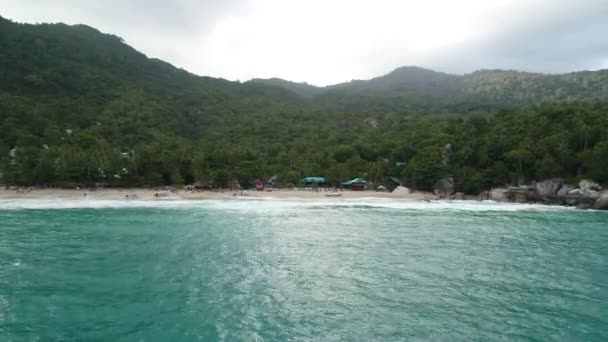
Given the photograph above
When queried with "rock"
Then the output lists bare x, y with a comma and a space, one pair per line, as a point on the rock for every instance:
575, 192
445, 185
402, 190
520, 198
591, 193
458, 196
498, 194
602, 201
586, 184
483, 196
371, 123
584, 205
548, 188
564, 190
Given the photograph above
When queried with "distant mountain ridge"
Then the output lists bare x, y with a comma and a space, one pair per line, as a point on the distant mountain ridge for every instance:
39, 48
300, 88
498, 87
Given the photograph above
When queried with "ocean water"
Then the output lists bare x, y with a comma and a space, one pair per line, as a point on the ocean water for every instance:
301, 270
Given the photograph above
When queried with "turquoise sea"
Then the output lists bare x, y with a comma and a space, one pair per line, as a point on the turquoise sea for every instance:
301, 270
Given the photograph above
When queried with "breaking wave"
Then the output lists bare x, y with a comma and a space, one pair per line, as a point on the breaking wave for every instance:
248, 204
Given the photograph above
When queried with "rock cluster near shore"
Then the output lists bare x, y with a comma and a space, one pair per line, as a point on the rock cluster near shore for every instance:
602, 201
587, 194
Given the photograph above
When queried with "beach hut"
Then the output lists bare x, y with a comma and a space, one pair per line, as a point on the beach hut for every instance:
355, 184
309, 182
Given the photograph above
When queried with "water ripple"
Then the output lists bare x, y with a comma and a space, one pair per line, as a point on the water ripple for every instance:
239, 270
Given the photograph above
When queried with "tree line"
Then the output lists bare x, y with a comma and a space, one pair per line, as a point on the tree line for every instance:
478, 151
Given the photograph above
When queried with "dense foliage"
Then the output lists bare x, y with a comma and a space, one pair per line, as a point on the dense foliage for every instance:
81, 107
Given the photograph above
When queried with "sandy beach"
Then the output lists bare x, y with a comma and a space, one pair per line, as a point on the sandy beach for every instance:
151, 194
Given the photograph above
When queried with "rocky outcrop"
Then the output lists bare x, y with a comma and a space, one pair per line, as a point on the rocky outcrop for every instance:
483, 196
589, 188
498, 195
371, 123
575, 192
591, 194
587, 185
458, 196
402, 190
563, 191
552, 191
602, 201
548, 188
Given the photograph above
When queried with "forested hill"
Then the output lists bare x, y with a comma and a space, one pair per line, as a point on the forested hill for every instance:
80, 68
78, 107
485, 90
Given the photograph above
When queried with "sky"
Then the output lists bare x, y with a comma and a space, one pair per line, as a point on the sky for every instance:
324, 42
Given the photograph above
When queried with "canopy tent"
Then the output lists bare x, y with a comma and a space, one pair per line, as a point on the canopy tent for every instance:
354, 181
312, 180
355, 184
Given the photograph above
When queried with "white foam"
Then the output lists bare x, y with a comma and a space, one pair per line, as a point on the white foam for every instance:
257, 204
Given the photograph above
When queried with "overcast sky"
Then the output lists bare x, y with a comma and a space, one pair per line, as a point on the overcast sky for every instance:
329, 41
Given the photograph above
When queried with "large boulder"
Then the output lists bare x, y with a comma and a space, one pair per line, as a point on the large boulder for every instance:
371, 123
458, 196
602, 201
520, 198
576, 192
483, 196
498, 194
402, 190
587, 185
564, 190
445, 185
584, 205
591, 193
548, 188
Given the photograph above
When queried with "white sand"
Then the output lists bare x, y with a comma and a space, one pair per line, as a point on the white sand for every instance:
145, 194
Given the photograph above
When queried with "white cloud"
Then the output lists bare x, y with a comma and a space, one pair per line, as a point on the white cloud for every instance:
324, 42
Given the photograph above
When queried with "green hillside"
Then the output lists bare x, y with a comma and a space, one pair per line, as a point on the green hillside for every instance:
80, 107
420, 89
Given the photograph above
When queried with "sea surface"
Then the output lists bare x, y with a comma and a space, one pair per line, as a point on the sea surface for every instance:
301, 270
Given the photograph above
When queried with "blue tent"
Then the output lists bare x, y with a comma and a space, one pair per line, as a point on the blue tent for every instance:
355, 181
312, 180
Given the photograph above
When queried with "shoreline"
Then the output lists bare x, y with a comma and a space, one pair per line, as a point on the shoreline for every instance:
146, 194
151, 194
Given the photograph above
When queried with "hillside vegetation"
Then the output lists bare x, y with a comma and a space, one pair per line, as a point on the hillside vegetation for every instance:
81, 107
